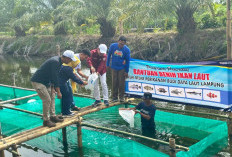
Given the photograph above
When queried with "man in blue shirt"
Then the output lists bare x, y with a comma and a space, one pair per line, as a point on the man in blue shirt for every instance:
119, 56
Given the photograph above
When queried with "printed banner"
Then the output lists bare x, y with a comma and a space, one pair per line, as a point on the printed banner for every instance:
202, 83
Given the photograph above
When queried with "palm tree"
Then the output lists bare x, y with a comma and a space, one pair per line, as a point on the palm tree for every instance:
183, 10
100, 9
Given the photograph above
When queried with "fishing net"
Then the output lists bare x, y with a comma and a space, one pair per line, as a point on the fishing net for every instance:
210, 136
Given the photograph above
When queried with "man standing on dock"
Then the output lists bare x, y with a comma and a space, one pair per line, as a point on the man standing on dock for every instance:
97, 63
120, 54
66, 72
45, 82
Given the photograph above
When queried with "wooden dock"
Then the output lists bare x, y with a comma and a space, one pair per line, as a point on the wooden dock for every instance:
40, 131
18, 138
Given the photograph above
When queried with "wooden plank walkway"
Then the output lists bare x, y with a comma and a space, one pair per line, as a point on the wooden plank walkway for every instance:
40, 131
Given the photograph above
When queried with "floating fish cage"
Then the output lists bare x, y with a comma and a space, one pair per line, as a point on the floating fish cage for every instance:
210, 136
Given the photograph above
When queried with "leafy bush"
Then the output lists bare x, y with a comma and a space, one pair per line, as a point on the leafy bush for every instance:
207, 21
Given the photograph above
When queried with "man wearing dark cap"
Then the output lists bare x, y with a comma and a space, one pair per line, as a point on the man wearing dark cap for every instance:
119, 56
147, 111
45, 82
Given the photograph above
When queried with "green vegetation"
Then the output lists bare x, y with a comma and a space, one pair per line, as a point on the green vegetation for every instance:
174, 30
108, 17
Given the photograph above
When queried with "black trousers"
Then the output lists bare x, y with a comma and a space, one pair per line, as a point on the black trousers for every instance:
149, 131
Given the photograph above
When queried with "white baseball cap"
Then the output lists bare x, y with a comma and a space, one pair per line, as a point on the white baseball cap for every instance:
69, 54
102, 48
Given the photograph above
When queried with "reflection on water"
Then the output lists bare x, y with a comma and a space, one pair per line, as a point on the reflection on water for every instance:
18, 71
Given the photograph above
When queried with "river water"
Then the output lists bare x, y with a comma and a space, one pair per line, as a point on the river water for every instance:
18, 71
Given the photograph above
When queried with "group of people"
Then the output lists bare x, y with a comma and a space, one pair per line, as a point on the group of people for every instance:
60, 74
54, 74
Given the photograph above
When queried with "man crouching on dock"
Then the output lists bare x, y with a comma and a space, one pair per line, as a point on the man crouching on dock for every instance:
45, 82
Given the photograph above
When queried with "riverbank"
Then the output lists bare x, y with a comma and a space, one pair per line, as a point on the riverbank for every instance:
162, 46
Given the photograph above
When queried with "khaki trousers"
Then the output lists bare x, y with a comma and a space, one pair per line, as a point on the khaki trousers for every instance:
118, 84
47, 94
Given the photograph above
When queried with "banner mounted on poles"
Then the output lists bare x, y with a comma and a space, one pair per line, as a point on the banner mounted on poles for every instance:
205, 84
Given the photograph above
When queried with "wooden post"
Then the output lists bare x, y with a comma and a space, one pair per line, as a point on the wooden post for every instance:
172, 145
126, 100
79, 135
14, 149
229, 56
64, 133
14, 75
1, 151
58, 50
228, 31
229, 124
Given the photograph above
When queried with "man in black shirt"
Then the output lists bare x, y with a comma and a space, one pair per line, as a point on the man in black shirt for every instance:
45, 82
147, 111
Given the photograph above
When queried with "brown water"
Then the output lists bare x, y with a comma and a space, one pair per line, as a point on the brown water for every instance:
18, 71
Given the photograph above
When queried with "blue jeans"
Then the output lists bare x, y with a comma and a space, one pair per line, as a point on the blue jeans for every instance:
67, 98
73, 103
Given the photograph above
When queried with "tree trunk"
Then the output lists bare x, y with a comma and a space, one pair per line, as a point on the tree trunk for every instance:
121, 29
106, 28
19, 32
211, 7
59, 29
186, 22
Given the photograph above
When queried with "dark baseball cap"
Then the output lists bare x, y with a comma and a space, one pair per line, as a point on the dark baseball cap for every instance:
147, 95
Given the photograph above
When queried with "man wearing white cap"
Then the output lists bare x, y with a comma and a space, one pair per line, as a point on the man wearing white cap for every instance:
45, 82
97, 63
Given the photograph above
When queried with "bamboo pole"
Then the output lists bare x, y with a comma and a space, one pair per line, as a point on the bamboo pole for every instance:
186, 111
130, 99
37, 132
2, 154
16, 87
18, 109
29, 89
17, 99
18, 135
228, 31
58, 50
83, 95
14, 75
40, 131
229, 57
15, 152
134, 135
64, 135
194, 112
172, 145
79, 135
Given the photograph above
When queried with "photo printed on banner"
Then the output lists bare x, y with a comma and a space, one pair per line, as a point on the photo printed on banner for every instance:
148, 88
161, 90
193, 93
211, 95
135, 86
177, 92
